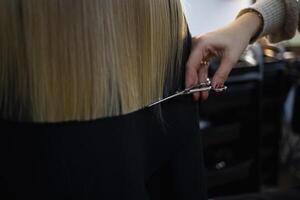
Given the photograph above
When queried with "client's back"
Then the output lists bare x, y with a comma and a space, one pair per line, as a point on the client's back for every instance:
71, 73
64, 60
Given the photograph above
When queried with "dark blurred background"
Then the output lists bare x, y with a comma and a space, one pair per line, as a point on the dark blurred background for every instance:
252, 131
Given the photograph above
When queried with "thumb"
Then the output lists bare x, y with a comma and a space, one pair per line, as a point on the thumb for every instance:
223, 72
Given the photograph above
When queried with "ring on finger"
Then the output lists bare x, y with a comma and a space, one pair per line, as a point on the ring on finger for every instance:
204, 63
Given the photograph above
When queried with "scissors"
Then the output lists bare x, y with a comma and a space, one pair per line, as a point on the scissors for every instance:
201, 87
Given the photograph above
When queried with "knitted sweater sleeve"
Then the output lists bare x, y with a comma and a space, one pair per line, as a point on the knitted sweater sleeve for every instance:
281, 18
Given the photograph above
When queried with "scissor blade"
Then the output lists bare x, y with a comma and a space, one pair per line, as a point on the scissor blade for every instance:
167, 98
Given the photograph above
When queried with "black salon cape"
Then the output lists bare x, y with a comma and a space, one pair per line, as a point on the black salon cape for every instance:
151, 154
132, 157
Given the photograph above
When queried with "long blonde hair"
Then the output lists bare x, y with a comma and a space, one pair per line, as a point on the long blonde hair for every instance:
64, 60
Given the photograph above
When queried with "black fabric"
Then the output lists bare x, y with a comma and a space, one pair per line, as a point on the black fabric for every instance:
136, 156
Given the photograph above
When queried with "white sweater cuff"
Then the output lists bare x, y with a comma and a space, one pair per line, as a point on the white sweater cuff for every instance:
273, 12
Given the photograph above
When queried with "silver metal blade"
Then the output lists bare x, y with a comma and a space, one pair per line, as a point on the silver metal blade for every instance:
167, 98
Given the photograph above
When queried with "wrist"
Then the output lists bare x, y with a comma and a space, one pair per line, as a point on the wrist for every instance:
251, 23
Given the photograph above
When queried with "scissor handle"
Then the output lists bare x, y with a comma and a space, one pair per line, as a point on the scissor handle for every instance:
206, 84
222, 89
205, 89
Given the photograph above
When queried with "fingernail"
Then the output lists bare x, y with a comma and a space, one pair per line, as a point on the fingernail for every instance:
196, 96
214, 85
220, 85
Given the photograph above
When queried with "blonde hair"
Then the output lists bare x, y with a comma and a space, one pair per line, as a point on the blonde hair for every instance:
64, 60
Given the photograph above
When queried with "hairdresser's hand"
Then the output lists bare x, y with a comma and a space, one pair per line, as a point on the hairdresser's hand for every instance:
227, 43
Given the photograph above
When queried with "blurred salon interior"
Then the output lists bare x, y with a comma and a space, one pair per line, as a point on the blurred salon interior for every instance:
252, 131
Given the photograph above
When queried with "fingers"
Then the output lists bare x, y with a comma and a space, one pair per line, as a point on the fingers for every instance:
194, 68
223, 72
203, 74
192, 79
197, 56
